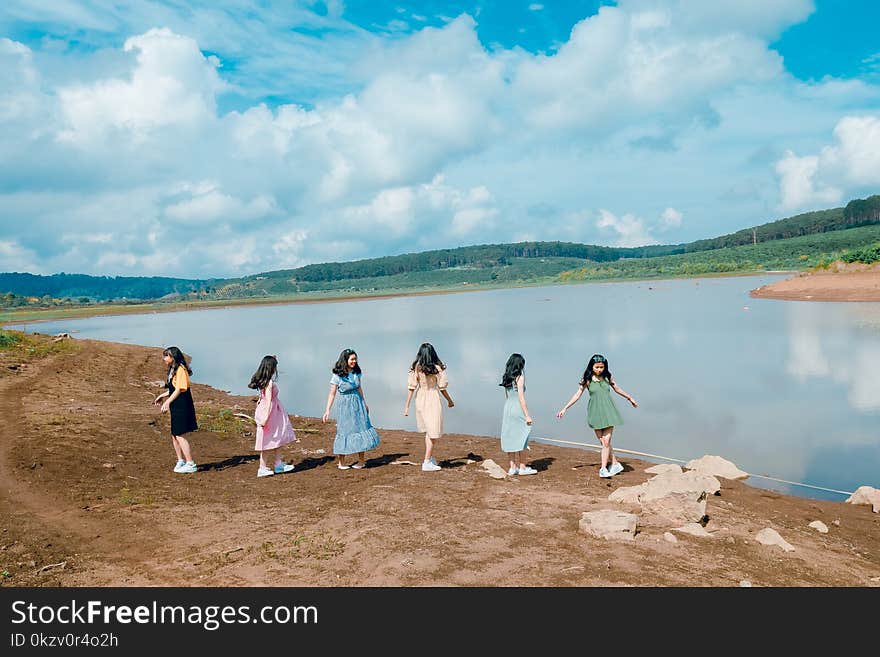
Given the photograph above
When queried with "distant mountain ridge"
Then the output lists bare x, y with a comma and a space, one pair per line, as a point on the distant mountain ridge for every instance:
565, 255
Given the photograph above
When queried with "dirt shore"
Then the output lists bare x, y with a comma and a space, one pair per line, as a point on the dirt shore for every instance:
88, 498
854, 282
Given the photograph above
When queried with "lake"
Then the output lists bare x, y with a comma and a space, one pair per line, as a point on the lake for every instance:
782, 388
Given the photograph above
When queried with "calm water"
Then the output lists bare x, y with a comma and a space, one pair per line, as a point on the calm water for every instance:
787, 389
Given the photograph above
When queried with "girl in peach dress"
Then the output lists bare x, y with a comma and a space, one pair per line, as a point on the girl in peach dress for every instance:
427, 380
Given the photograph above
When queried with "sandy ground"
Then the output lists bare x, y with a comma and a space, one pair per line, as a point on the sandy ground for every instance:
854, 282
88, 498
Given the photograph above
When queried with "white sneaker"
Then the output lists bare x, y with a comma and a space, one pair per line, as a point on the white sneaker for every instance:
603, 472
265, 472
357, 465
180, 463
188, 468
616, 468
526, 470
433, 460
512, 471
427, 466
281, 468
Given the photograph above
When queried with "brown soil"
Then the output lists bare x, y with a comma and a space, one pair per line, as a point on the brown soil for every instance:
88, 498
841, 282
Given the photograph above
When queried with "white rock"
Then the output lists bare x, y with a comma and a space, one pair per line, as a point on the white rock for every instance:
716, 466
678, 508
768, 536
609, 524
627, 494
495, 471
819, 526
669, 537
686, 482
866, 495
694, 529
745, 583
664, 467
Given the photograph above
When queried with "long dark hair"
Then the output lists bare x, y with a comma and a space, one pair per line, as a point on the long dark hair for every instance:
588, 373
427, 360
267, 371
514, 367
341, 366
179, 360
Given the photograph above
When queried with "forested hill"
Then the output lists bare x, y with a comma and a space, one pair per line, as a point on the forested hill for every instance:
524, 260
859, 212
76, 286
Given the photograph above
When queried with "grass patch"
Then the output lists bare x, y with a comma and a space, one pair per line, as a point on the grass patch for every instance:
9, 339
127, 497
318, 546
223, 422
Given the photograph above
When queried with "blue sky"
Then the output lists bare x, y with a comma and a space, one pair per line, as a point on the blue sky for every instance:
228, 137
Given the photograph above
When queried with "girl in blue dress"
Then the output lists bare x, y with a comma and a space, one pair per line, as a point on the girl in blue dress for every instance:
516, 423
354, 433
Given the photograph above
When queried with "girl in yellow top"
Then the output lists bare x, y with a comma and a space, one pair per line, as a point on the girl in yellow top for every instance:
180, 404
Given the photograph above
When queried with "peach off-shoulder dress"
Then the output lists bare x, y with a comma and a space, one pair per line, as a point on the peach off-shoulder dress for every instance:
429, 403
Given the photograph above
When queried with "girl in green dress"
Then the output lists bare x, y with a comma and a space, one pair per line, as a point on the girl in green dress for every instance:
602, 414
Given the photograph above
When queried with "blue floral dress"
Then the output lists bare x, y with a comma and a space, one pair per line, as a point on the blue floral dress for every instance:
354, 433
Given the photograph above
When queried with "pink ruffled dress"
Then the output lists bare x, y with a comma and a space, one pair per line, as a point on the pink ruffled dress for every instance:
278, 430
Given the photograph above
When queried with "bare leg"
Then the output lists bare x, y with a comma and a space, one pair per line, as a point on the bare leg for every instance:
429, 447
605, 439
339, 459
608, 433
177, 449
513, 456
264, 461
362, 458
184, 447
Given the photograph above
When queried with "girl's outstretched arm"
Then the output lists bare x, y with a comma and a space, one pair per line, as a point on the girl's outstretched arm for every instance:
330, 397
156, 400
571, 401
409, 396
521, 389
620, 392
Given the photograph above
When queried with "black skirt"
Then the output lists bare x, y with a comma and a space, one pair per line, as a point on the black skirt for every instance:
183, 413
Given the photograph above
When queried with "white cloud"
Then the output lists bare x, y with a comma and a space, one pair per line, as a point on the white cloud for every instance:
851, 162
535, 7
629, 229
619, 67
671, 218
423, 213
17, 258
172, 83
207, 204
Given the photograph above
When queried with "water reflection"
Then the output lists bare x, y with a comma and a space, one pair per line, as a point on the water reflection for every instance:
771, 385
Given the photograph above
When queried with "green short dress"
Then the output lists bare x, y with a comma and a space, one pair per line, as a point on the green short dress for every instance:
601, 411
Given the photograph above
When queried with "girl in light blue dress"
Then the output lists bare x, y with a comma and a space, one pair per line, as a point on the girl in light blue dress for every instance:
516, 423
354, 432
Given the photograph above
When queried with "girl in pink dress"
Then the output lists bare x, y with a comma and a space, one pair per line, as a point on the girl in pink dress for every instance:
273, 423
